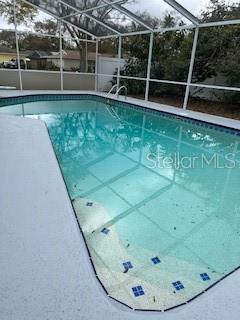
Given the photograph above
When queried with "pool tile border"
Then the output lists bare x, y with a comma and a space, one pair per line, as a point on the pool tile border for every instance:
7, 101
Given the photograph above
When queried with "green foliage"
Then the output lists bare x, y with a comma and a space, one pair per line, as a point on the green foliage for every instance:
136, 49
32, 42
47, 26
217, 53
8, 39
24, 12
170, 59
218, 48
218, 10
108, 46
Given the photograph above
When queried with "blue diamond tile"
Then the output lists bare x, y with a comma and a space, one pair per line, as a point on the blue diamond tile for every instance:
156, 260
204, 276
127, 265
178, 285
138, 291
105, 230
89, 204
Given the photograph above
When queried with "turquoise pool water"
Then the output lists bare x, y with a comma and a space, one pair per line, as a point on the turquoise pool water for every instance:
157, 198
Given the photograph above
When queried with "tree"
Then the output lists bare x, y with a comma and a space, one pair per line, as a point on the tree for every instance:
218, 10
104, 14
218, 47
24, 13
47, 26
217, 52
170, 56
7, 39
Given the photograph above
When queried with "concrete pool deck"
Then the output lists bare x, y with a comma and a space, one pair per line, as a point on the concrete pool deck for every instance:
44, 264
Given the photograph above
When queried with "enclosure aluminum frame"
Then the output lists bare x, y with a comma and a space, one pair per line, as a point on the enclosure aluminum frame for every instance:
116, 5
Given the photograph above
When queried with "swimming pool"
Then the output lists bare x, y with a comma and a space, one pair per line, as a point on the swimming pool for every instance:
156, 196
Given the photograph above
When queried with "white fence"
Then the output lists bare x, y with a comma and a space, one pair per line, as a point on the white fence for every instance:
107, 66
47, 80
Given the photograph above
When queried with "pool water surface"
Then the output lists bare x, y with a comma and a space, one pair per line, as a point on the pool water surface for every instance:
156, 197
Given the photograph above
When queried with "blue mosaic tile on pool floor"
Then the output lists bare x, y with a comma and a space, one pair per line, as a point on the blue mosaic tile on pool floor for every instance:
105, 230
156, 260
178, 285
89, 204
205, 276
127, 265
138, 291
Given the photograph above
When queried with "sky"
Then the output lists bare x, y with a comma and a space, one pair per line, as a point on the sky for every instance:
155, 8
158, 7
